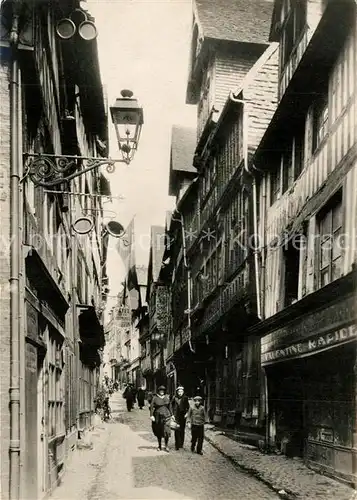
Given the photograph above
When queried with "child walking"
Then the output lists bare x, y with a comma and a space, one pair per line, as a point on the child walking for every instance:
197, 416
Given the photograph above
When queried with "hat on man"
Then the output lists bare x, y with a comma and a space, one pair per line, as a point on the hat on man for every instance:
161, 388
180, 387
197, 398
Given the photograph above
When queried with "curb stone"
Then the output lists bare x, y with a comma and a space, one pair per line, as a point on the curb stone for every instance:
275, 478
287, 495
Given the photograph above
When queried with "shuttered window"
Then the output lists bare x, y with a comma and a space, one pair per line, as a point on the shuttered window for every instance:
294, 21
330, 242
320, 120
56, 389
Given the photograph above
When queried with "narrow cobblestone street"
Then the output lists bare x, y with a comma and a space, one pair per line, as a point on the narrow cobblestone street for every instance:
124, 464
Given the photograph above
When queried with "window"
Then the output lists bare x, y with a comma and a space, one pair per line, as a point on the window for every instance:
219, 263
298, 157
275, 185
320, 121
294, 20
49, 210
209, 176
293, 160
287, 166
85, 389
79, 280
229, 154
291, 255
330, 230
56, 418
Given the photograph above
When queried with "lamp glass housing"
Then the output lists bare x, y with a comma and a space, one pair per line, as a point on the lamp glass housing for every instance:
127, 117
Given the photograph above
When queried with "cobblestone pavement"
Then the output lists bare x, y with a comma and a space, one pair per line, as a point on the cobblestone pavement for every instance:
124, 464
290, 477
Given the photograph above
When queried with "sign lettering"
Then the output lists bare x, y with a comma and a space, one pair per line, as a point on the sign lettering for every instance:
311, 345
334, 314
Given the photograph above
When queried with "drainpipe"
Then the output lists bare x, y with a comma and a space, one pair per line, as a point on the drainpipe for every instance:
256, 248
15, 374
22, 283
255, 215
74, 326
263, 243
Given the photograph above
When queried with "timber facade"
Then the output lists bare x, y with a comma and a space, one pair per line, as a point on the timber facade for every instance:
59, 110
307, 230
261, 250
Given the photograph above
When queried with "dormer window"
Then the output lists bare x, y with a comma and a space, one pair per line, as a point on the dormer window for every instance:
293, 21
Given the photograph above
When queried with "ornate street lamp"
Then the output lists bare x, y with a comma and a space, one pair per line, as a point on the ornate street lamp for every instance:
128, 119
48, 170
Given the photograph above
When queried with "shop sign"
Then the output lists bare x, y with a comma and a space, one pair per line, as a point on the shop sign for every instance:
342, 312
314, 344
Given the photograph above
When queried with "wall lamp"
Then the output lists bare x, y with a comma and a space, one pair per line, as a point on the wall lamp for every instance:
48, 170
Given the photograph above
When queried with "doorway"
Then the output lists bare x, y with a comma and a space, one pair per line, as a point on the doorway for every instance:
287, 408
42, 395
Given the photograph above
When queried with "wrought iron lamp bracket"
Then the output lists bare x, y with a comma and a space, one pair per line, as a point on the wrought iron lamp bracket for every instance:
49, 170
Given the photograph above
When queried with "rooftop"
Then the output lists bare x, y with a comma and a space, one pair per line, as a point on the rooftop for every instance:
183, 144
235, 20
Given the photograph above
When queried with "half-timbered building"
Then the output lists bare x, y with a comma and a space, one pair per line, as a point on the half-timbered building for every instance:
174, 271
229, 52
154, 338
52, 103
306, 170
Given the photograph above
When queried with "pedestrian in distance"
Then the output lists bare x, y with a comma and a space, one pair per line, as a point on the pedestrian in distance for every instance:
141, 398
197, 416
129, 396
149, 397
133, 388
160, 414
106, 409
180, 406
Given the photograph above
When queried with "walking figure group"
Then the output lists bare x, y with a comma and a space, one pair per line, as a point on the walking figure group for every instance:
172, 414
131, 394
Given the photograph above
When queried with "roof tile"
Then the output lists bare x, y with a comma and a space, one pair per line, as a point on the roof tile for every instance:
246, 21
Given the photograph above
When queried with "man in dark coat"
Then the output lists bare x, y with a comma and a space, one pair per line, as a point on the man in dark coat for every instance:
141, 397
129, 396
180, 406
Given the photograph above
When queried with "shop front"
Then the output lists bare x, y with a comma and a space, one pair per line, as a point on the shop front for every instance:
44, 439
310, 367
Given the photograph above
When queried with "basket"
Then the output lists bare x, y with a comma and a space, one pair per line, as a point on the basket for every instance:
174, 425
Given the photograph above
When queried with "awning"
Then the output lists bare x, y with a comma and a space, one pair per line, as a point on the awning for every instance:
41, 280
91, 331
